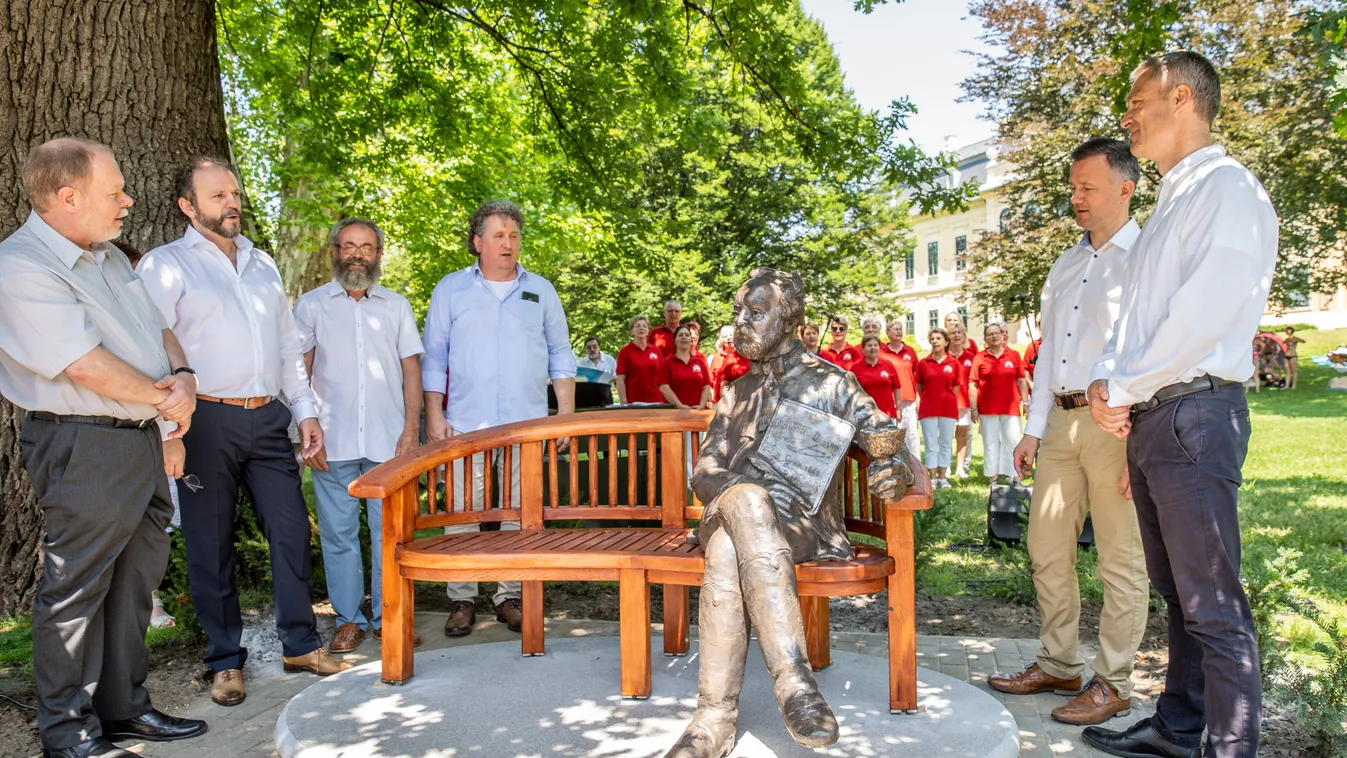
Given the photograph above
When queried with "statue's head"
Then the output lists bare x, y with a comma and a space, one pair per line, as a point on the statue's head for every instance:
768, 308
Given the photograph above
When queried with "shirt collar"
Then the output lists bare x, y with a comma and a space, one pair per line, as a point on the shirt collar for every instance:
1122, 239
66, 251
781, 363
333, 288
243, 245
1194, 159
520, 272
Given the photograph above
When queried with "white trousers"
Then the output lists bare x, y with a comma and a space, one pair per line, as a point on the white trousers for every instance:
468, 590
1000, 435
907, 419
937, 434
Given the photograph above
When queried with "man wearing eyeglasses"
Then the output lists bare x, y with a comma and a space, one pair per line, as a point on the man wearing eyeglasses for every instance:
363, 354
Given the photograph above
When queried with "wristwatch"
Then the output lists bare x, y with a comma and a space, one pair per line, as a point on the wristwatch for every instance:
184, 370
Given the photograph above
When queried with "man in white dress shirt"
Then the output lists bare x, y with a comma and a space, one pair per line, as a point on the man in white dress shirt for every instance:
1170, 382
224, 300
596, 360
1082, 468
363, 353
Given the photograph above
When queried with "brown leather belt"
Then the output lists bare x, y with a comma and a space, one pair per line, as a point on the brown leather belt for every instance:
247, 403
1069, 401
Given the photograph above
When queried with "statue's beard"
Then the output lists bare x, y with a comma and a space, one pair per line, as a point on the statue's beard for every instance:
751, 347
357, 278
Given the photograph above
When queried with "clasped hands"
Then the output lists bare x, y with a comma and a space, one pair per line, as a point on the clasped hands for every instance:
888, 478
180, 402
1115, 421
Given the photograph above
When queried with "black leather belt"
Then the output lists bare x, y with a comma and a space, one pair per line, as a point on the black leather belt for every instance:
1069, 401
112, 421
1200, 384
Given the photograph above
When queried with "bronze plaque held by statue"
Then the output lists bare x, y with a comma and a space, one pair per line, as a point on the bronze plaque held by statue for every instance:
768, 476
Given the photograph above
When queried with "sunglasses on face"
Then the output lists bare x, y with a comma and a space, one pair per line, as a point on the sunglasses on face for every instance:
837, 328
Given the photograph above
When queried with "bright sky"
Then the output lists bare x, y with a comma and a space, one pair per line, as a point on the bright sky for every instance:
913, 49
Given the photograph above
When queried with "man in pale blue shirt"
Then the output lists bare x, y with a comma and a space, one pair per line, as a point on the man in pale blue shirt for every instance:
494, 335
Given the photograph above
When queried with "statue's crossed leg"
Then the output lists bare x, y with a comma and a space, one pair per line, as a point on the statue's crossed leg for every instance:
750, 568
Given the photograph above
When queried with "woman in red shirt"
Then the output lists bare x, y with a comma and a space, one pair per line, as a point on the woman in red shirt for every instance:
998, 384
684, 379
937, 384
878, 377
964, 350
638, 367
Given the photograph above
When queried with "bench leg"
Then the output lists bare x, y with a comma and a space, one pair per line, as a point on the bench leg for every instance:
634, 613
398, 618
816, 631
902, 616
676, 619
532, 629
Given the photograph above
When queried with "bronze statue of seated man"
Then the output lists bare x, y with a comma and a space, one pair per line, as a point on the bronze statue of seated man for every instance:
768, 475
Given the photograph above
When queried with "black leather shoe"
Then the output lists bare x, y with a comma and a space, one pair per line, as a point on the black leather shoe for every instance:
153, 727
1138, 741
97, 747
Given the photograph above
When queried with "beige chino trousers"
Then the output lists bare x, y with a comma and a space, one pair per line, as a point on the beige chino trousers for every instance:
468, 590
1078, 469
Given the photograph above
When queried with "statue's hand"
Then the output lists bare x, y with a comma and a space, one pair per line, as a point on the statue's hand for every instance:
889, 478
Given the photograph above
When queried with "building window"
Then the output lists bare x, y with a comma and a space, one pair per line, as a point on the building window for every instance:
963, 316
910, 267
933, 258
960, 248
1005, 219
935, 318
911, 323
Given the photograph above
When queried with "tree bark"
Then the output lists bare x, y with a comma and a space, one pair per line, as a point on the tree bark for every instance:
141, 76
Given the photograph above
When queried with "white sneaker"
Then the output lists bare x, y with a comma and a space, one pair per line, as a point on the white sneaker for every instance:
942, 484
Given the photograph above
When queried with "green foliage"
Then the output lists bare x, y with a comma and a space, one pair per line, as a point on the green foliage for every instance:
1051, 84
659, 149
1318, 693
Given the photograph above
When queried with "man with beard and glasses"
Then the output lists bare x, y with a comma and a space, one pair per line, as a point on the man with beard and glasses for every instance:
758, 523
224, 300
363, 354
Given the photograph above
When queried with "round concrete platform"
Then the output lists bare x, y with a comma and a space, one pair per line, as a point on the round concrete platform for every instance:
485, 700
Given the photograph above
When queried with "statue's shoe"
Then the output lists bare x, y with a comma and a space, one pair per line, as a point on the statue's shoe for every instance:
809, 719
704, 740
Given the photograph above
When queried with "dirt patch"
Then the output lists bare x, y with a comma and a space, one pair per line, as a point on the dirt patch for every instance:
176, 681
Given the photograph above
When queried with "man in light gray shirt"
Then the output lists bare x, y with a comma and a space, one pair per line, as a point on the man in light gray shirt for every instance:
84, 350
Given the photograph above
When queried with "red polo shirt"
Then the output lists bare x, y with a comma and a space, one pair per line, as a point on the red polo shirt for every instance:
662, 338
965, 360
1031, 355
996, 378
685, 379
640, 369
843, 358
907, 368
725, 368
939, 384
879, 381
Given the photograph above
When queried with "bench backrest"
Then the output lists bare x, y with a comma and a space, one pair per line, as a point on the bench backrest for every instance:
619, 465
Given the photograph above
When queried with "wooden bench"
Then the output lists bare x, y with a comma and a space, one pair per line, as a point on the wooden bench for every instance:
643, 447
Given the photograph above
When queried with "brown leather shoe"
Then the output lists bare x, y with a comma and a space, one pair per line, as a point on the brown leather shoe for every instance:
347, 638
416, 638
462, 615
1031, 680
1097, 703
511, 614
319, 662
227, 689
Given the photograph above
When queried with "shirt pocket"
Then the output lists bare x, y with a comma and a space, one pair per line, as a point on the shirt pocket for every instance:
138, 297
525, 316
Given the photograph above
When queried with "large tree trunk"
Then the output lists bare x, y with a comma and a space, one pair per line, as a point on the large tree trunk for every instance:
141, 76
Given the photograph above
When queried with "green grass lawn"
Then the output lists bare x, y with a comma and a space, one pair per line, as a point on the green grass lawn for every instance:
1294, 495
